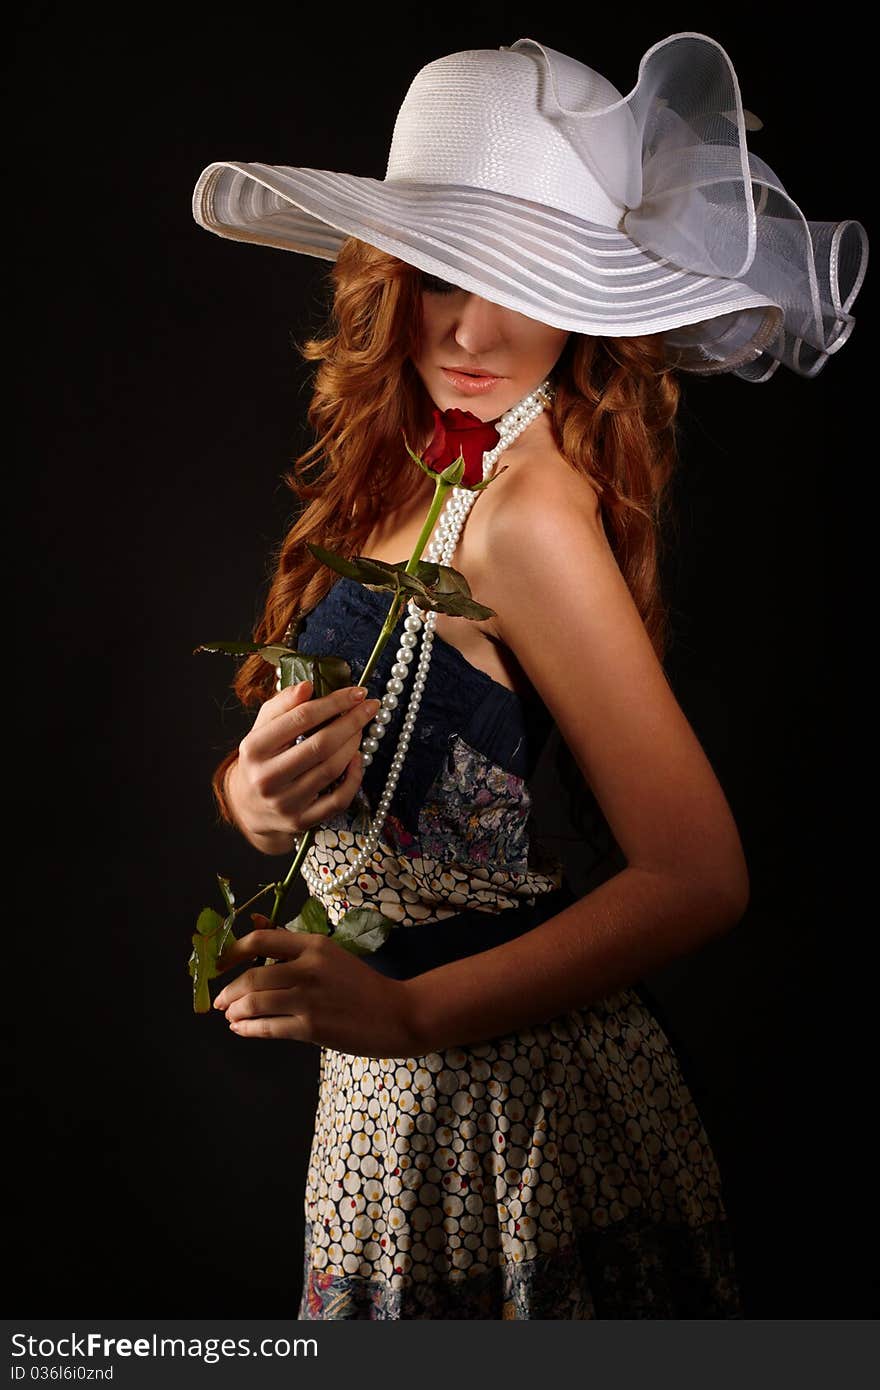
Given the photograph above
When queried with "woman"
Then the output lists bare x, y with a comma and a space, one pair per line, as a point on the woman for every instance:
503, 1127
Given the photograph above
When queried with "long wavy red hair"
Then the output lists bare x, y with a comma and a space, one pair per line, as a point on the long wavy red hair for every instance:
613, 418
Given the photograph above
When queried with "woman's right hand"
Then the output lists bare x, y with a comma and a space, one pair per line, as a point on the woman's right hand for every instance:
278, 788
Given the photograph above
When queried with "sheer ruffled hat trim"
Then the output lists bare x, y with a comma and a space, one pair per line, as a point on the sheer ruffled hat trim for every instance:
522, 175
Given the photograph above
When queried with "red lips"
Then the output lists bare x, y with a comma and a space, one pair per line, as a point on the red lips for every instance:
469, 371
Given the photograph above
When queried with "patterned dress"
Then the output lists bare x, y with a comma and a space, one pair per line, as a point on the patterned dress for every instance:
561, 1171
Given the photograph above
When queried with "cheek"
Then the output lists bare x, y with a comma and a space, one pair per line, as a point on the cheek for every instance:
556, 341
543, 344
553, 344
434, 316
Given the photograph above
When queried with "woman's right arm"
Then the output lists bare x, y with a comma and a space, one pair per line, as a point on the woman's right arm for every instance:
275, 788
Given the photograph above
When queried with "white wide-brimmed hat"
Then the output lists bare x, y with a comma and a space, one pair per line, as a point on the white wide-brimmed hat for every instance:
523, 176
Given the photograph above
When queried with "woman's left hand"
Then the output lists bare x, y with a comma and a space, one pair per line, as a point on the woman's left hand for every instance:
317, 992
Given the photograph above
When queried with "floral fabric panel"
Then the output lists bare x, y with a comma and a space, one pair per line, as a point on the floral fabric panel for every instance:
470, 848
476, 813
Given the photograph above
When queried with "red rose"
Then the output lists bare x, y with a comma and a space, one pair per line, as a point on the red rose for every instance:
459, 432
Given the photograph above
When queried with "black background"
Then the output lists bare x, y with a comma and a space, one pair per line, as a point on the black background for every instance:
159, 1162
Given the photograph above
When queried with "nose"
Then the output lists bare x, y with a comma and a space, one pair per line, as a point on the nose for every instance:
480, 325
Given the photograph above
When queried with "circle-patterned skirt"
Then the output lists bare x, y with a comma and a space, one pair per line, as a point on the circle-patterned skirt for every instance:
562, 1171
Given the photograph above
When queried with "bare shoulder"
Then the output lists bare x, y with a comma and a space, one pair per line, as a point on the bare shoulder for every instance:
536, 494
533, 514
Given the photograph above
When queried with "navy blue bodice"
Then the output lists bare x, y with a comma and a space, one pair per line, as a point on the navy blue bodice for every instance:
459, 699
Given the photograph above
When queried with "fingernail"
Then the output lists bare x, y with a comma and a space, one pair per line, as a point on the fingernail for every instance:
373, 705
359, 692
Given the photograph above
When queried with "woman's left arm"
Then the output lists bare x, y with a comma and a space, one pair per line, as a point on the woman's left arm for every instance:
564, 609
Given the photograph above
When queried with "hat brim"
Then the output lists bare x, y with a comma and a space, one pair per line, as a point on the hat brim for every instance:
545, 264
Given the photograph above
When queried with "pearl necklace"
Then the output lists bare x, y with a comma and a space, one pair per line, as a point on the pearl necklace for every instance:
440, 549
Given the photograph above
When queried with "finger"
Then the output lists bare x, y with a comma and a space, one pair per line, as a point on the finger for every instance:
242, 949
265, 1003
294, 780
301, 721
314, 713
289, 1027
294, 777
284, 701
336, 800
233, 955
266, 941
254, 981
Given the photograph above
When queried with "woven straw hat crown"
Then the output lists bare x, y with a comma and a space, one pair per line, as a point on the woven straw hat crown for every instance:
525, 149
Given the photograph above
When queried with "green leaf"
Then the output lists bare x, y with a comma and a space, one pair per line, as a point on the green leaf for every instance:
362, 931
450, 581
314, 914
426, 468
431, 586
272, 653
454, 472
456, 605
359, 567
478, 487
395, 577
450, 594
202, 998
312, 918
228, 895
425, 570
209, 942
208, 922
223, 936
300, 924
202, 968
327, 673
